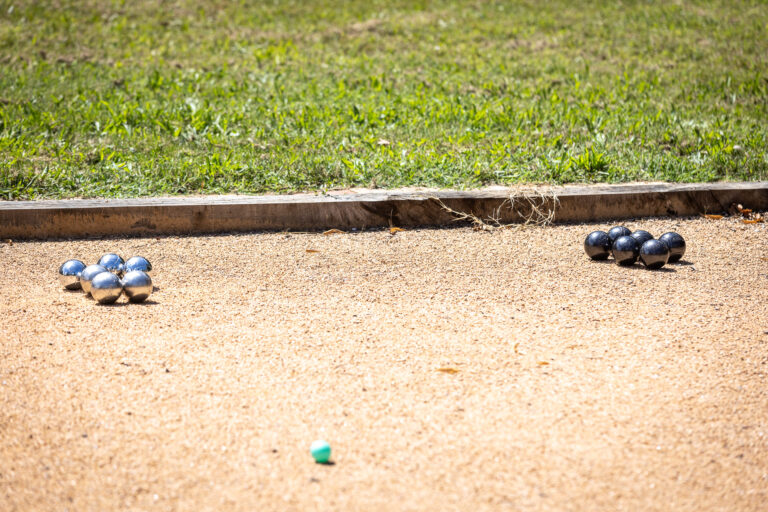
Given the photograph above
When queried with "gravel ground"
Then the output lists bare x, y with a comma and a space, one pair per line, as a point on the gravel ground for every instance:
449, 369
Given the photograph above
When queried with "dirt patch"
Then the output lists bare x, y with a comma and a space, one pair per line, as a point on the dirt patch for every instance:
447, 368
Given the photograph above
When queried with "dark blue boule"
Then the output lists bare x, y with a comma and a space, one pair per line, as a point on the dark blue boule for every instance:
642, 236
597, 245
654, 254
676, 245
625, 251
617, 232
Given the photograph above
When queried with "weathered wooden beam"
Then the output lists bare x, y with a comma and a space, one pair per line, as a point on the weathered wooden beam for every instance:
81, 218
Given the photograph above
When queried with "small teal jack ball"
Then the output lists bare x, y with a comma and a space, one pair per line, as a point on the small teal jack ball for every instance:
321, 451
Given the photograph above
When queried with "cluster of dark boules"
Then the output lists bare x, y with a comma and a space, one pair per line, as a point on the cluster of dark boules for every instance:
627, 247
106, 280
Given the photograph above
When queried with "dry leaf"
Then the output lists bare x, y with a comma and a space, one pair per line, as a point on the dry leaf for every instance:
752, 221
764, 259
394, 230
713, 217
312, 250
333, 232
448, 370
745, 211
516, 347
543, 363
383, 142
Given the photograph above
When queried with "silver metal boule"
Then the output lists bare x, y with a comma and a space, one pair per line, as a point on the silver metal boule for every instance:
87, 275
138, 263
106, 288
68, 274
137, 285
112, 262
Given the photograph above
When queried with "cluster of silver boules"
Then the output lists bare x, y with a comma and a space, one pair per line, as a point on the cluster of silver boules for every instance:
109, 278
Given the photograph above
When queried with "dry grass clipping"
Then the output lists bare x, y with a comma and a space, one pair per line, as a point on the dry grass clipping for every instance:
534, 207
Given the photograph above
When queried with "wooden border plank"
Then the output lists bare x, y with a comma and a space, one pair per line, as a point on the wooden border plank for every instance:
304, 212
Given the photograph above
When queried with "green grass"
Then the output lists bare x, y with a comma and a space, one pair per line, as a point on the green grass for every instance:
135, 98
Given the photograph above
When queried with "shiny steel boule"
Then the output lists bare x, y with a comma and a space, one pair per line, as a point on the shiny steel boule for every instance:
138, 263
137, 286
68, 274
112, 262
106, 288
87, 275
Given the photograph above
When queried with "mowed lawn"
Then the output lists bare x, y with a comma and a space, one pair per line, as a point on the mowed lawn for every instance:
115, 99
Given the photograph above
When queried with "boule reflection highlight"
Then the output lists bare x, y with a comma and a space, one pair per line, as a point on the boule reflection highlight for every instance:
138, 263
112, 262
137, 286
106, 288
88, 274
69, 272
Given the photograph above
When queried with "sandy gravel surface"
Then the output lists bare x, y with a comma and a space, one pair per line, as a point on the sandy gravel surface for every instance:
575, 385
